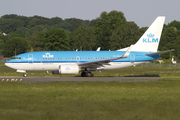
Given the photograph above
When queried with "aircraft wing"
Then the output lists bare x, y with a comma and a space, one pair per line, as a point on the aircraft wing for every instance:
160, 52
95, 64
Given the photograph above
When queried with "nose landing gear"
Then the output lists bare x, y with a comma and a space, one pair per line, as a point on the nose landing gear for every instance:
24, 75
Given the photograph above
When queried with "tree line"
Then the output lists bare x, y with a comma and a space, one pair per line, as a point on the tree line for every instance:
110, 31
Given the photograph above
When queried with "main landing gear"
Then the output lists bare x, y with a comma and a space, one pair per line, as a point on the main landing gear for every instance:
86, 74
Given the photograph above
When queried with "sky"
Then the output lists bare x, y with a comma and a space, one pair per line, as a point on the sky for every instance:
142, 12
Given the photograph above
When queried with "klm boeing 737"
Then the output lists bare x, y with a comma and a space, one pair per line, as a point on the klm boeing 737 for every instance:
72, 62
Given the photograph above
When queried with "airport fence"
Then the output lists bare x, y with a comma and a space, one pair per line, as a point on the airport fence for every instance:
159, 65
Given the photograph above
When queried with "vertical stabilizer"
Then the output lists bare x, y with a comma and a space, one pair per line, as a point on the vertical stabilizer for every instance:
149, 41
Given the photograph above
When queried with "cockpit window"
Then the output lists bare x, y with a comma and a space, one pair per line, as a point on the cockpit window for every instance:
17, 58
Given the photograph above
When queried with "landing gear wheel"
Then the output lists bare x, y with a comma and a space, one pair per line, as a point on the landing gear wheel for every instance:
83, 74
86, 74
24, 75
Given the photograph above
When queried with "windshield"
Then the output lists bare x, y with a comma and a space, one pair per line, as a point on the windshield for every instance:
17, 58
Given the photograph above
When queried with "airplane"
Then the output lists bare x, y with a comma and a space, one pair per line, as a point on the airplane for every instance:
73, 62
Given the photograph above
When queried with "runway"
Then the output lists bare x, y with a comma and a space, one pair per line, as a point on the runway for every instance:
77, 79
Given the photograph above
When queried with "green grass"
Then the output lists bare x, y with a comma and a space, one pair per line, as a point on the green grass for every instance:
130, 72
90, 100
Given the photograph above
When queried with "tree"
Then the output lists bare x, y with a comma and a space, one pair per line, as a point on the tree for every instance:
10, 25
54, 39
105, 25
2, 44
177, 48
15, 46
74, 23
3, 39
175, 24
57, 20
83, 39
125, 35
168, 38
21, 30
35, 43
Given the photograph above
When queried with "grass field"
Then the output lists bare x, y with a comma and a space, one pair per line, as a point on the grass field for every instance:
93, 100
90, 100
130, 71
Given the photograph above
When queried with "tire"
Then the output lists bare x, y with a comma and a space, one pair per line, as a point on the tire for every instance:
83, 74
89, 74
24, 75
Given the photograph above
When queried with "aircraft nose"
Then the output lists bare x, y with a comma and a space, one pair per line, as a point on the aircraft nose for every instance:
7, 64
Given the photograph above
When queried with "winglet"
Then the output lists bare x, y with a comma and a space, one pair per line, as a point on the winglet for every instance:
98, 49
126, 54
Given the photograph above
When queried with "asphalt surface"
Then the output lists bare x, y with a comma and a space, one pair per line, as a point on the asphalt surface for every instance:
77, 79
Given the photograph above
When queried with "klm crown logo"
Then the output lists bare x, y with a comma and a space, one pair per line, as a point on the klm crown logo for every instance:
67, 68
150, 39
150, 35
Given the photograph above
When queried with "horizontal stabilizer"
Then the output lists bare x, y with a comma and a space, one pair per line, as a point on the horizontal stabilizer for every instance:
160, 52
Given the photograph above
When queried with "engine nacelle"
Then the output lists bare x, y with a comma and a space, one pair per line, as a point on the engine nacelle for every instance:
67, 69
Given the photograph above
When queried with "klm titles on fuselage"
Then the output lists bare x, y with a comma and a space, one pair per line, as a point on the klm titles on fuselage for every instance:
150, 39
48, 55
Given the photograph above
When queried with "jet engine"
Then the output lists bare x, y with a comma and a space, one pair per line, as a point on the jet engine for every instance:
67, 69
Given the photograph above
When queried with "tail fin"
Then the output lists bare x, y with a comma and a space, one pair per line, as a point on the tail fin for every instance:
149, 41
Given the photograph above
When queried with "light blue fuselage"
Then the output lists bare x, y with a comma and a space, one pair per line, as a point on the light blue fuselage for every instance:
79, 56
51, 60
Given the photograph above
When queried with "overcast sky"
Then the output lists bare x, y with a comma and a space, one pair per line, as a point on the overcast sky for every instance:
142, 12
